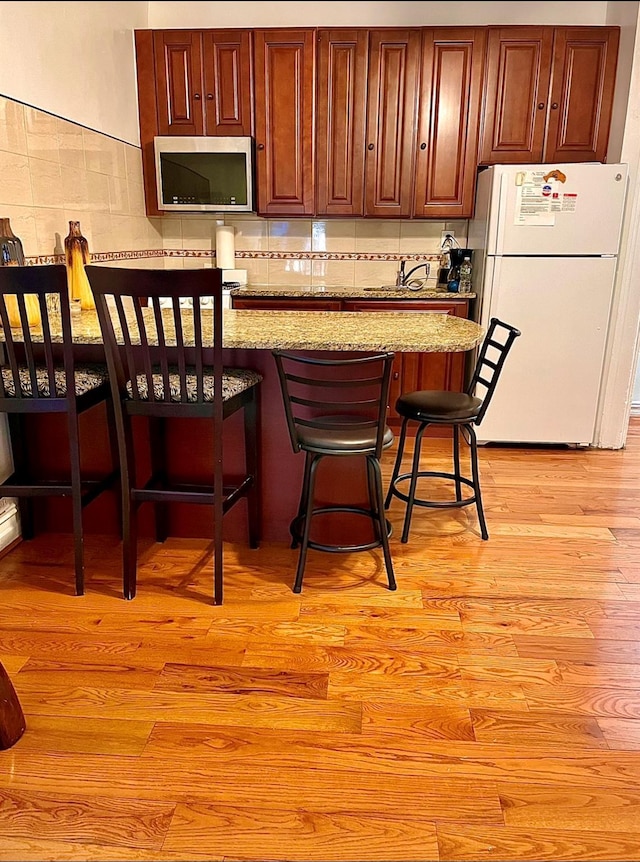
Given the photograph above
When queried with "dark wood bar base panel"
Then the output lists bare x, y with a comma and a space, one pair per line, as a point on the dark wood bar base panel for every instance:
190, 457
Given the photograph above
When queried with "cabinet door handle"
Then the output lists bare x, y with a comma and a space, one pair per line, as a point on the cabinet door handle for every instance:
541, 106
370, 147
261, 146
423, 146
209, 96
396, 375
196, 96
554, 106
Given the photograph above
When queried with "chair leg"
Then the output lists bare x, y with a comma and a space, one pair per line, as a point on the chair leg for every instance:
218, 511
456, 462
218, 556
304, 493
129, 508
398, 462
252, 464
157, 446
473, 445
378, 503
115, 456
20, 466
413, 482
76, 500
308, 510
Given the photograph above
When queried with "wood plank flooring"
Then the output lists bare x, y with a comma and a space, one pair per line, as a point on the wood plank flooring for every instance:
487, 710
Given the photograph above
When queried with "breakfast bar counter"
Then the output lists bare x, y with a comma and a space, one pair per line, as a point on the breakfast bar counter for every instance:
249, 338
322, 330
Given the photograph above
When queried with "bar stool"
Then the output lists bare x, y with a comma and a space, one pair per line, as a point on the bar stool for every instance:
337, 408
164, 362
461, 410
34, 379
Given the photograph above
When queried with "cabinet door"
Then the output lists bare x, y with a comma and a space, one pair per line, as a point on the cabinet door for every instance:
584, 71
516, 91
284, 86
394, 62
228, 81
285, 304
449, 116
178, 62
340, 121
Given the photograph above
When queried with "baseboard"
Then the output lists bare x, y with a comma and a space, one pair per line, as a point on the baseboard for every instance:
9, 526
635, 408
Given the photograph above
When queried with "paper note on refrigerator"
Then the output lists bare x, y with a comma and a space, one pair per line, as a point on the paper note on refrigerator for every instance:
534, 198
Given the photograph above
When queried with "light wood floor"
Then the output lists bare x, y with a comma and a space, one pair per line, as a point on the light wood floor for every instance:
487, 710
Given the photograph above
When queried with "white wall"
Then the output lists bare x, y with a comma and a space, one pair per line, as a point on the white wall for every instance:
625, 16
75, 60
336, 14
622, 344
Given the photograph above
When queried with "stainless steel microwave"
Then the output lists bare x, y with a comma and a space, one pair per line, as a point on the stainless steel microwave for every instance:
204, 174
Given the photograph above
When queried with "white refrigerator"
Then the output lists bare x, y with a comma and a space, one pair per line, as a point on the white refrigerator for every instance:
546, 241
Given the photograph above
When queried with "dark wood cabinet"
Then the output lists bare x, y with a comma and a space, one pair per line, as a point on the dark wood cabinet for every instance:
178, 80
284, 92
394, 66
203, 82
285, 304
436, 72
548, 94
191, 82
518, 73
582, 88
448, 122
228, 82
341, 121
382, 123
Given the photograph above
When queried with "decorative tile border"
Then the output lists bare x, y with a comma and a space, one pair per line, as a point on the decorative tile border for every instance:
107, 256
97, 257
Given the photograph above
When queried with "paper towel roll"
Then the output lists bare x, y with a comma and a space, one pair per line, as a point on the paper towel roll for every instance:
225, 247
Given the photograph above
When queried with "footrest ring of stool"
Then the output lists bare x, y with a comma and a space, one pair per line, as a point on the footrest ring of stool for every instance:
434, 504
296, 532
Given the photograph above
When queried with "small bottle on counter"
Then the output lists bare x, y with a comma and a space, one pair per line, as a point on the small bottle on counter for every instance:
465, 276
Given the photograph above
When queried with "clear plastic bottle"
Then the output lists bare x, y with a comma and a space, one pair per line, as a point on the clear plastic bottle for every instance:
465, 276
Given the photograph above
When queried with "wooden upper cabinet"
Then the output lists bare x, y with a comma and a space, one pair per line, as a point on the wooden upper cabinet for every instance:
449, 117
340, 121
203, 82
516, 93
584, 71
228, 82
284, 88
178, 68
394, 65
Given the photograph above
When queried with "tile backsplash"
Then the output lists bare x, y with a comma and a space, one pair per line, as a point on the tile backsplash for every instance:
54, 171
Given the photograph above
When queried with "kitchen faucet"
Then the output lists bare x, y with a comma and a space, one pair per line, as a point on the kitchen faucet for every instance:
402, 277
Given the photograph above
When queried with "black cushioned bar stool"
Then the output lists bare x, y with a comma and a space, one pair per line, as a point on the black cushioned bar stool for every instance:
337, 408
461, 410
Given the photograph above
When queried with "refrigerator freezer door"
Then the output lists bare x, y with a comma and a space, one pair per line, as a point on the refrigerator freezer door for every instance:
548, 391
584, 219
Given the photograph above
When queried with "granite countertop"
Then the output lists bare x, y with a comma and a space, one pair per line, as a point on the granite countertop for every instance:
280, 292
311, 330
